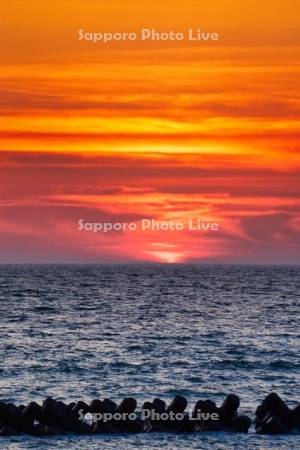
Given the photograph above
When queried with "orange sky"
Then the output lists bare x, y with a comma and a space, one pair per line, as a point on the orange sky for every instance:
162, 130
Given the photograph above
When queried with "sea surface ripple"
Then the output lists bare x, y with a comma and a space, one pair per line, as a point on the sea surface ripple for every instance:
92, 331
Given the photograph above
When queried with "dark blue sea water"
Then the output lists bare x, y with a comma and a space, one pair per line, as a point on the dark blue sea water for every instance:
87, 331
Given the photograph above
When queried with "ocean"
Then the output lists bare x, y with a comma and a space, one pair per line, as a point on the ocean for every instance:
92, 331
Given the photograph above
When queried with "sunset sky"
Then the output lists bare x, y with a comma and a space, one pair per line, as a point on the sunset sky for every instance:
162, 130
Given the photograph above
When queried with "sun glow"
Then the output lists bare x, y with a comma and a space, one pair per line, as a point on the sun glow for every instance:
156, 130
165, 256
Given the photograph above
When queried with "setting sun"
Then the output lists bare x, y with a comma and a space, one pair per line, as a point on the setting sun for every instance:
159, 129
